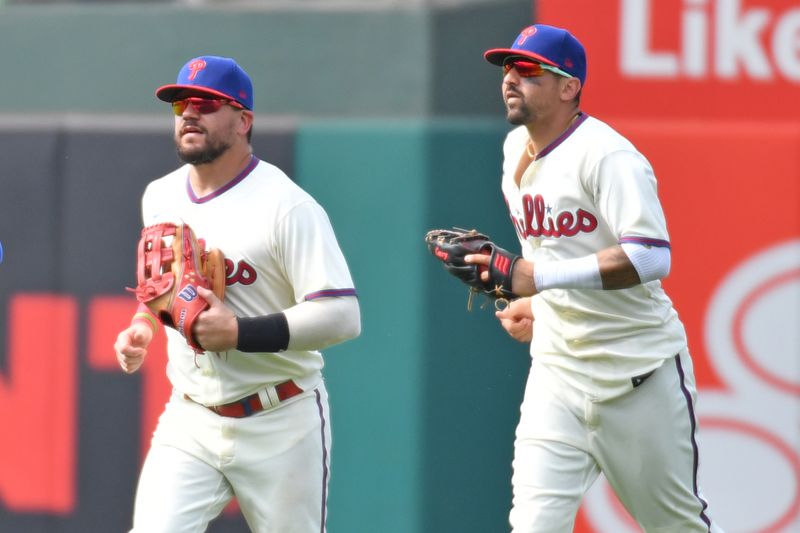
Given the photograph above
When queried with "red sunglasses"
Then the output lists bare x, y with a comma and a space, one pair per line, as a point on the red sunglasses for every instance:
530, 69
204, 106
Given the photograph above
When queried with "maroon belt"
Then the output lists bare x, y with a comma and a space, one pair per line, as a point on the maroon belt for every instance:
252, 404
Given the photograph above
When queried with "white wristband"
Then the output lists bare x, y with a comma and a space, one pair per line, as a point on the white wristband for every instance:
580, 273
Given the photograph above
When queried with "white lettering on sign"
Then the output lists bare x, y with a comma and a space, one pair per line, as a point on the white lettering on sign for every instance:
743, 44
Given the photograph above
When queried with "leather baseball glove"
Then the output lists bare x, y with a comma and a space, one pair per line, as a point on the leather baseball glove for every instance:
171, 264
451, 245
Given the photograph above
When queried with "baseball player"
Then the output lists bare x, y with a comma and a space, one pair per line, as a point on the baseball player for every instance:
611, 387
249, 416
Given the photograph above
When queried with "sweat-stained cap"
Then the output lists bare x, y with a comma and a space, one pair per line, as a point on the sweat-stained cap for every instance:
547, 44
210, 75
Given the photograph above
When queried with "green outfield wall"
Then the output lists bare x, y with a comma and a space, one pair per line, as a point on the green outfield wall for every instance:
425, 401
308, 63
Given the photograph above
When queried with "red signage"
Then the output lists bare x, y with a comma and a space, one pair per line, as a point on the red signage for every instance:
706, 89
725, 59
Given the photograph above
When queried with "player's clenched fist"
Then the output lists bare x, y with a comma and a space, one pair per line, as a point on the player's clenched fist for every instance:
517, 319
215, 328
131, 346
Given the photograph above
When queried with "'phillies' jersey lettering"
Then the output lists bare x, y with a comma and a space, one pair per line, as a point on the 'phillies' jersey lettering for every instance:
538, 222
244, 273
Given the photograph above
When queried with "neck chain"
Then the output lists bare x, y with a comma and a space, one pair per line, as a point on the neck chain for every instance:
529, 146
528, 149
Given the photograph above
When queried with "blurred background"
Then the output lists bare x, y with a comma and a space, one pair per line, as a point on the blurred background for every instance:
387, 113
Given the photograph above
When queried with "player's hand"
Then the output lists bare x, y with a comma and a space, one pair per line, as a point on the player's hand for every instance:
521, 276
216, 328
517, 319
131, 346
481, 260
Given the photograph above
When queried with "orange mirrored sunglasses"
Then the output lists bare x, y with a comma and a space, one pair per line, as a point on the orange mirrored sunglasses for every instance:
530, 69
204, 106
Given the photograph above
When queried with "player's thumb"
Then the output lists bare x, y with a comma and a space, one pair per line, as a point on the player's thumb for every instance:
207, 295
138, 338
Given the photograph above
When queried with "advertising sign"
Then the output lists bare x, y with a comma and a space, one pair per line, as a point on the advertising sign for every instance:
704, 88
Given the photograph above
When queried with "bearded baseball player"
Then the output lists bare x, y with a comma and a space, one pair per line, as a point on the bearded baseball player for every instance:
248, 416
611, 387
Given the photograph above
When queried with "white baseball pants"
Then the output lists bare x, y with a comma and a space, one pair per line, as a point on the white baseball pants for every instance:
275, 462
644, 442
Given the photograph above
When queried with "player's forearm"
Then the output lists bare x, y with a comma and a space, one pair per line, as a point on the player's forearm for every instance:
314, 325
608, 269
522, 278
616, 269
310, 325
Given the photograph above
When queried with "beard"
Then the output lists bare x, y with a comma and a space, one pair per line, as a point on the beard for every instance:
515, 118
204, 155
201, 155
517, 115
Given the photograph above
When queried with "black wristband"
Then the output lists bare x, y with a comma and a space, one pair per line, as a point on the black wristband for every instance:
268, 333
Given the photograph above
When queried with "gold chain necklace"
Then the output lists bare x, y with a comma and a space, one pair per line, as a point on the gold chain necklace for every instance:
528, 146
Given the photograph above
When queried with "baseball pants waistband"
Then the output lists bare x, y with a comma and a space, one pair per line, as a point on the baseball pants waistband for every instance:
258, 401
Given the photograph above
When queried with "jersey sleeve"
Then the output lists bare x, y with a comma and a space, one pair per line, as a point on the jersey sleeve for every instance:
311, 257
147, 206
625, 191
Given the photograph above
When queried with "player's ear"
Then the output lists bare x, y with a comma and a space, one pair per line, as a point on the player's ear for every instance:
246, 122
570, 88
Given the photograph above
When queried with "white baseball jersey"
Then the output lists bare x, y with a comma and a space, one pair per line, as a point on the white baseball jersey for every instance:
589, 190
280, 250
